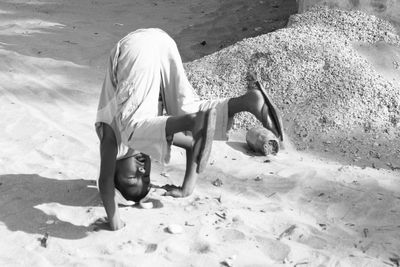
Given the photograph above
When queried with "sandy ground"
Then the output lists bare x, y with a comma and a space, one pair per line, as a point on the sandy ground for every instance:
290, 210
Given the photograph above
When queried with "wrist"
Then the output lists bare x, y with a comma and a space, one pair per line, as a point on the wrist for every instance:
116, 224
186, 192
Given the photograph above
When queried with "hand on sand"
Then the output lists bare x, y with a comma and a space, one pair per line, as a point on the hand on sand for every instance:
103, 224
173, 190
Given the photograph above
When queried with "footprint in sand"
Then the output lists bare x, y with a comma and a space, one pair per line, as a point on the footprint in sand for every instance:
129, 247
175, 247
308, 235
274, 249
201, 247
228, 235
277, 184
296, 174
141, 247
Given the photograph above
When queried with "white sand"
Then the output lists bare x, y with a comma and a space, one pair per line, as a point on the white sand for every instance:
52, 68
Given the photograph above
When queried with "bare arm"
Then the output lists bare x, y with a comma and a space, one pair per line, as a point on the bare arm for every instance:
108, 155
190, 178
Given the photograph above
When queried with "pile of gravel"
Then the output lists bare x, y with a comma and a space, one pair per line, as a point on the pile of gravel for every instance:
331, 98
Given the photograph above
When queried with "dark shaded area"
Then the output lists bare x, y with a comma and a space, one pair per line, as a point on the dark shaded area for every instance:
65, 32
233, 21
20, 193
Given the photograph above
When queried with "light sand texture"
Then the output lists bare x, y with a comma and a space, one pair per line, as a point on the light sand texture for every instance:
294, 209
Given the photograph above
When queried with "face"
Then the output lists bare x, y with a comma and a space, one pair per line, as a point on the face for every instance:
133, 177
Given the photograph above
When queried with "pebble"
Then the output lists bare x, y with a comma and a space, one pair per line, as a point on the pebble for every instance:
229, 261
258, 178
44, 239
217, 182
189, 224
175, 229
146, 205
237, 219
165, 174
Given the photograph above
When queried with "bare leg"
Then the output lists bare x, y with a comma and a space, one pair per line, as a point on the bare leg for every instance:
181, 123
252, 101
186, 142
175, 126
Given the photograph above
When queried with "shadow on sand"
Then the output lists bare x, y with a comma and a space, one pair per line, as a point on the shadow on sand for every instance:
20, 194
28, 202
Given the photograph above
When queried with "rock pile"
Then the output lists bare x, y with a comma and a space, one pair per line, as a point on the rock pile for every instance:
332, 99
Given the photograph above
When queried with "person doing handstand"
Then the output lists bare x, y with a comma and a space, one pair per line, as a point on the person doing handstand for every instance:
145, 67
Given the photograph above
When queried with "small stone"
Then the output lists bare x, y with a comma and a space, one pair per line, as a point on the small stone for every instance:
174, 229
150, 248
203, 43
365, 231
217, 182
43, 240
236, 219
229, 261
146, 205
165, 174
189, 224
